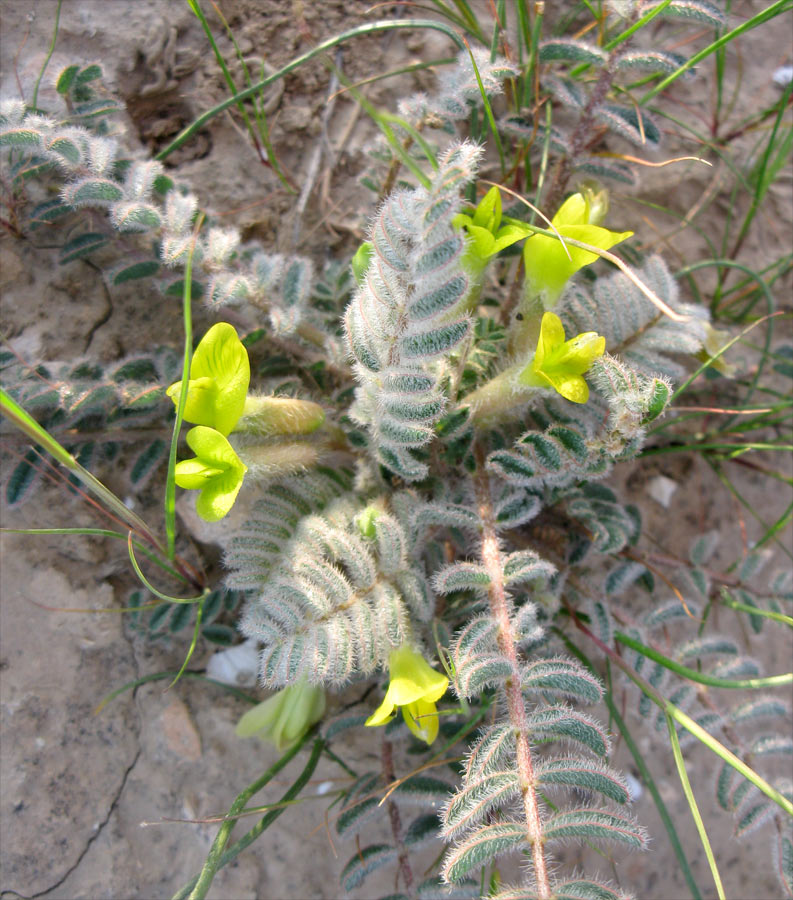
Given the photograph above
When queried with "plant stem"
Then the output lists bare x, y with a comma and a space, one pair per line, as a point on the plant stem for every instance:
197, 888
583, 130
395, 819
499, 608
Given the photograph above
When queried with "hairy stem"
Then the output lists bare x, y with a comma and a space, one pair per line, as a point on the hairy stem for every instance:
396, 820
499, 608
583, 130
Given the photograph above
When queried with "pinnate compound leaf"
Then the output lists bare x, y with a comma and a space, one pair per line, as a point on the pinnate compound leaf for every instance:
512, 467
480, 672
516, 507
754, 816
490, 752
767, 707
22, 478
697, 10
65, 79
783, 859
143, 269
653, 61
434, 342
92, 192
359, 810
422, 830
634, 125
147, 461
482, 846
423, 790
223, 635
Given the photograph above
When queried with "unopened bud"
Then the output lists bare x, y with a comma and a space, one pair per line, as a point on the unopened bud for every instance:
360, 262
280, 415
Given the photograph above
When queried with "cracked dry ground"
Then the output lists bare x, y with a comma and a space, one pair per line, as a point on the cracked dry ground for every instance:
76, 786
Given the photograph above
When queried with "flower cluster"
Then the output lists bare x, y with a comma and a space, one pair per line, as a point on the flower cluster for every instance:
216, 392
218, 404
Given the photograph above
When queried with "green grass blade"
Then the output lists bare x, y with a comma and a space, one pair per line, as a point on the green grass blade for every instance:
652, 787
756, 611
161, 676
197, 888
701, 677
767, 170
261, 141
770, 530
101, 532
760, 18
687, 722
38, 435
187, 317
641, 765
488, 112
193, 642
692, 803
149, 586
48, 57
725, 348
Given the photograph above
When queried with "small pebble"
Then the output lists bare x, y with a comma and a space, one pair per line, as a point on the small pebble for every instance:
661, 489
783, 76
635, 788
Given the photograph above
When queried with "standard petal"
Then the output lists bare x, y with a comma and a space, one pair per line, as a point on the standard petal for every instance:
200, 405
222, 357
404, 690
574, 211
551, 337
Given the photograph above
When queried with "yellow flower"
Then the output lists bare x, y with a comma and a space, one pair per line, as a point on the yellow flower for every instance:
487, 235
561, 364
215, 470
548, 266
415, 687
286, 716
219, 378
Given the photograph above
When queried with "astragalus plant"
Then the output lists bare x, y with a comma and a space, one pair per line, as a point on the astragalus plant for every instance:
429, 488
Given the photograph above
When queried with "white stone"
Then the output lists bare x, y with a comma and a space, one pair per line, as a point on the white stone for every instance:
661, 489
237, 665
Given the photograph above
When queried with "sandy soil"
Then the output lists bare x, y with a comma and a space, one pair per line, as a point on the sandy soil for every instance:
75, 787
